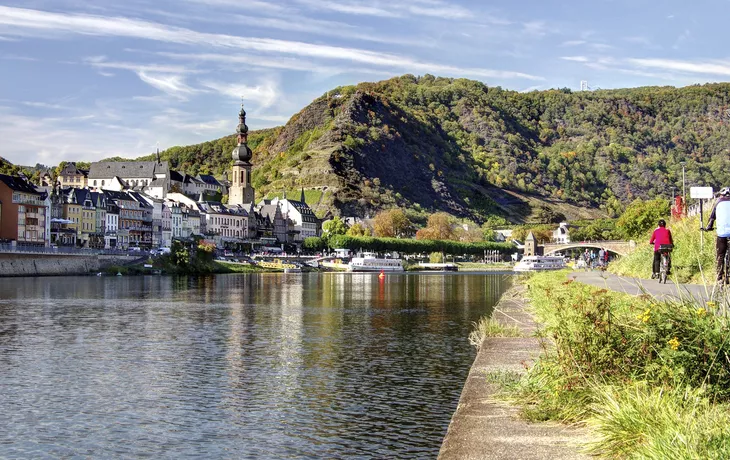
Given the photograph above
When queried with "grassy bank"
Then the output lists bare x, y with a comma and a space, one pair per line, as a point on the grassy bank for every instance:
692, 261
652, 379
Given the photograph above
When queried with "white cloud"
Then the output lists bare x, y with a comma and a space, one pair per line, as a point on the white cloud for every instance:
34, 20
531, 88
101, 63
683, 38
396, 9
248, 5
174, 85
44, 105
706, 68
350, 8
275, 118
265, 94
574, 43
575, 58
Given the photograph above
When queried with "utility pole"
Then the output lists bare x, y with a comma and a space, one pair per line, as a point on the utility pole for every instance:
684, 188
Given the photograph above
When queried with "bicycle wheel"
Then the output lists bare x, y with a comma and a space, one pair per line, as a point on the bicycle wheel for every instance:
663, 269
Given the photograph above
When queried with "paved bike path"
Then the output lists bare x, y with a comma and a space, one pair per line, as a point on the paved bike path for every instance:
637, 286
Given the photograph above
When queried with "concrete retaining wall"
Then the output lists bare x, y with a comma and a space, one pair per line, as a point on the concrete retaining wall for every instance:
27, 265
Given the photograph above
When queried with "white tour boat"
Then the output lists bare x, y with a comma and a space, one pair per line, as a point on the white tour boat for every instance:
538, 263
370, 262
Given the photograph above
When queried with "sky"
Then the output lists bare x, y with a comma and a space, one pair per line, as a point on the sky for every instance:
84, 81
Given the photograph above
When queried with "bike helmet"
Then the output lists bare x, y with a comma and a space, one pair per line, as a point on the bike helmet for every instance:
725, 191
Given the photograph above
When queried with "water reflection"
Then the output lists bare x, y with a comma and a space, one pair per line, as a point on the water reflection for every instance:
275, 366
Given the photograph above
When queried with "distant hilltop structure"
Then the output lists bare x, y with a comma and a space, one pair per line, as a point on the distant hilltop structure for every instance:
585, 87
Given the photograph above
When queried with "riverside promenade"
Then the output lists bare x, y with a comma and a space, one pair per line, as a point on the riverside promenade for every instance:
638, 286
484, 427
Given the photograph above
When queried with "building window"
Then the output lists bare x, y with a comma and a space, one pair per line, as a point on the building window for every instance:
102, 182
94, 182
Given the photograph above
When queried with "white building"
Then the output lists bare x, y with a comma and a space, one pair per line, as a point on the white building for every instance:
112, 225
306, 224
111, 175
562, 235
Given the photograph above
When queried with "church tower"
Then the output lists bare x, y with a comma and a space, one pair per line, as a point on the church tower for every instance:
241, 192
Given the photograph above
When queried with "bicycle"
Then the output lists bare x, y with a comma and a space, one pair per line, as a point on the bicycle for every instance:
666, 259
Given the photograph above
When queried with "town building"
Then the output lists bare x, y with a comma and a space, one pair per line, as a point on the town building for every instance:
112, 224
61, 234
304, 222
273, 223
166, 225
134, 175
71, 176
23, 212
561, 235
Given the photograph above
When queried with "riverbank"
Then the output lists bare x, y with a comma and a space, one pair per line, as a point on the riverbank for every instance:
649, 376
484, 425
12, 265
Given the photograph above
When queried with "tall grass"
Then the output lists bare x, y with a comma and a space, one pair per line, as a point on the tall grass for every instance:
645, 374
641, 421
490, 327
693, 258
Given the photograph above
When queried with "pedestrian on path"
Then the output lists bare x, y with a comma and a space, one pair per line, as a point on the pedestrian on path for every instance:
721, 215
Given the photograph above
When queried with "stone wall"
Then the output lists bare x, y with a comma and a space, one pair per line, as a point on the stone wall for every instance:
37, 265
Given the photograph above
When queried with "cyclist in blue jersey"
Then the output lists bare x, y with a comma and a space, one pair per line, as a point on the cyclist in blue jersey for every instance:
721, 217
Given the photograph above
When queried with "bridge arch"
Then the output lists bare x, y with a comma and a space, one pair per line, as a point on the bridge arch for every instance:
621, 248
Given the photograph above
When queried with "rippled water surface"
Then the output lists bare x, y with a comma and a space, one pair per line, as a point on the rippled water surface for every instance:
236, 366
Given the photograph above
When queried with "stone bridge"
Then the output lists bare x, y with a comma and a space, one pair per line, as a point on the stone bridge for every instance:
621, 248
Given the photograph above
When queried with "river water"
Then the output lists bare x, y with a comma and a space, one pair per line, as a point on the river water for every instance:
329, 365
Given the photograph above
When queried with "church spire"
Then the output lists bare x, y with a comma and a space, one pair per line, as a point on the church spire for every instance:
301, 199
242, 153
242, 129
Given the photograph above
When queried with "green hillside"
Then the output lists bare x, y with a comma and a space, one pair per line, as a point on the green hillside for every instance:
460, 146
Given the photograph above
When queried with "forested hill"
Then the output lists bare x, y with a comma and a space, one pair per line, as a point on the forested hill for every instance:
469, 149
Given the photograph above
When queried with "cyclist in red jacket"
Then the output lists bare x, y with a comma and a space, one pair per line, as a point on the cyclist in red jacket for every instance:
661, 235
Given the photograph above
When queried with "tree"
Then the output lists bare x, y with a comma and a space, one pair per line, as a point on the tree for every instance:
334, 226
541, 232
545, 215
313, 243
469, 232
391, 223
439, 227
641, 216
358, 229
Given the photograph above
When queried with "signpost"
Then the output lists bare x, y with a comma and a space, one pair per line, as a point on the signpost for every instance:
701, 193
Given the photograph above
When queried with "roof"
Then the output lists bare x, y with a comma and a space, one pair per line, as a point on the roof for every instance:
304, 210
157, 183
114, 195
17, 184
176, 176
108, 169
208, 179
71, 170
190, 179
268, 211
214, 207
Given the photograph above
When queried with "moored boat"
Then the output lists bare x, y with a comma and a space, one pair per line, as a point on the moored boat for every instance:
539, 263
370, 262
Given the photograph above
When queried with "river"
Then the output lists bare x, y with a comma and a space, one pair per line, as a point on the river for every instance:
328, 365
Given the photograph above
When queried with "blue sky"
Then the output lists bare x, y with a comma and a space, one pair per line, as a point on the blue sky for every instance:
86, 80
